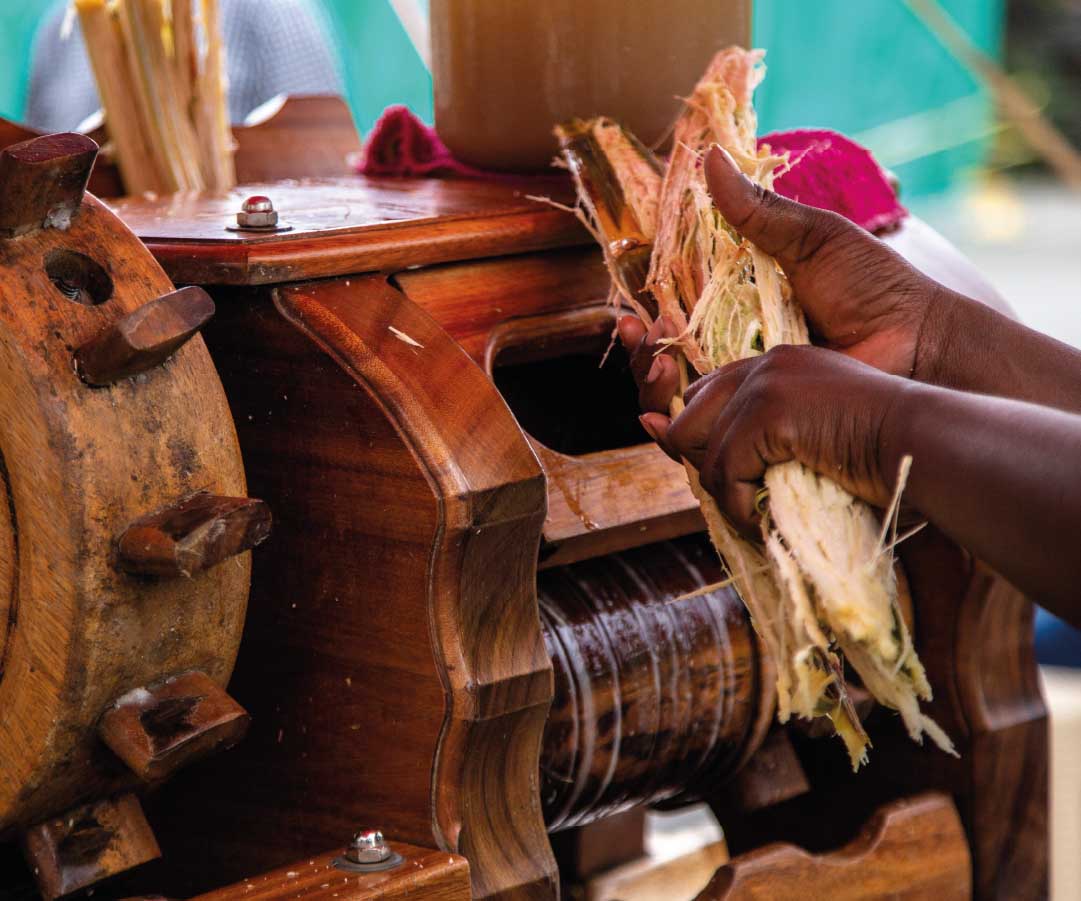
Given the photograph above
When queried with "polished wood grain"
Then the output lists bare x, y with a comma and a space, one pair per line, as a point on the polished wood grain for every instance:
911, 850
585, 851
424, 874
998, 686
656, 694
296, 136
192, 534
483, 302
350, 225
393, 608
160, 728
145, 338
676, 879
42, 182
88, 844
484, 618
79, 464
771, 776
541, 307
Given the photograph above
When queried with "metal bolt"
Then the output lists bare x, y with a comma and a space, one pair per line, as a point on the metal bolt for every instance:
257, 212
368, 846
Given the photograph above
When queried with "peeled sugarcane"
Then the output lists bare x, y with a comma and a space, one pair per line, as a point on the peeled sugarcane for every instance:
820, 586
160, 71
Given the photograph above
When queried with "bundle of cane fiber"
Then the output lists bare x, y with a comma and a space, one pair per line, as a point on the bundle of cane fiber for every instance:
820, 585
159, 66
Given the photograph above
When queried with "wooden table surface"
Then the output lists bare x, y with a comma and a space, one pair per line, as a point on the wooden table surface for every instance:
344, 226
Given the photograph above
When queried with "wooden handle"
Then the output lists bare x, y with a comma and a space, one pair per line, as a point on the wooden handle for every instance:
144, 338
192, 535
42, 182
88, 844
156, 730
911, 849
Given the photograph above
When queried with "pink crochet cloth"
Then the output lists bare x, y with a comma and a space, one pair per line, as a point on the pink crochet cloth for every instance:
828, 170
400, 144
835, 173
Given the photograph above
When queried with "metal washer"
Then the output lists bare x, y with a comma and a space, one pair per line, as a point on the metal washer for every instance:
273, 230
395, 860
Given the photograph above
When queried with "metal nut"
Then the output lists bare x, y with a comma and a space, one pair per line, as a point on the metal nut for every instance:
257, 212
368, 846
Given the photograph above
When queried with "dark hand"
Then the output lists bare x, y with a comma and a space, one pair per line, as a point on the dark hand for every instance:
793, 403
860, 297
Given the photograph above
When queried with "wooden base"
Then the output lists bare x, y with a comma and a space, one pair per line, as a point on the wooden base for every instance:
424, 875
910, 851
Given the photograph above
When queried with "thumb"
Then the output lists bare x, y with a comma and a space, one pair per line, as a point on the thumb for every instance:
791, 232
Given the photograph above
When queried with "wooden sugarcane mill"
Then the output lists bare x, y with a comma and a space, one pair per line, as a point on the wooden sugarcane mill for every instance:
478, 627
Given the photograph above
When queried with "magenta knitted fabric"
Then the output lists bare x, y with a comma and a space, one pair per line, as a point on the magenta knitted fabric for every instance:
832, 172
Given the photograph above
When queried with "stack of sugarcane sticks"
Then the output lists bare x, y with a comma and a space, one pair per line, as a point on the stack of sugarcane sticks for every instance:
159, 66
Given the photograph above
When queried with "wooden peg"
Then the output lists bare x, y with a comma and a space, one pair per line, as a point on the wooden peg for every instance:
88, 844
158, 729
144, 338
42, 182
194, 534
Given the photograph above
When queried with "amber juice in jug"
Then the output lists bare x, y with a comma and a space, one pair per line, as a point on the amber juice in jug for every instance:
506, 71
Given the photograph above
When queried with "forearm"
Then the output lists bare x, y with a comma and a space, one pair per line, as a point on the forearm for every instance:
1001, 478
967, 346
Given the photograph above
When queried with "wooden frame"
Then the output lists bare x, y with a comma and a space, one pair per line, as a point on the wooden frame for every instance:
357, 431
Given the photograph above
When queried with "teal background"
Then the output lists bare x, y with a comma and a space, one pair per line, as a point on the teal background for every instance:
18, 21
864, 67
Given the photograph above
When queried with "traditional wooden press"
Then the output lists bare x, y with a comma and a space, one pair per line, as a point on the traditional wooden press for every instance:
476, 621
121, 491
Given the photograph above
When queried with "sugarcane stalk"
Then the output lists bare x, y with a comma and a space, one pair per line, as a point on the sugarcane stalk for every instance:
130, 138
627, 244
211, 111
165, 102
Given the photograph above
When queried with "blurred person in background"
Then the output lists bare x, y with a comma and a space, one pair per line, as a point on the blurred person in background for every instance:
272, 47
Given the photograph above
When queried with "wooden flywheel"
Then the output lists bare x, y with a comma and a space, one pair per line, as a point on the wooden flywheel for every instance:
123, 522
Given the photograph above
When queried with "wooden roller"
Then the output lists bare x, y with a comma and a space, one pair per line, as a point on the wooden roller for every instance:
659, 689
80, 635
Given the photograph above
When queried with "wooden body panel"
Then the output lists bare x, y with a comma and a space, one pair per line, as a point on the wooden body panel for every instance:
305, 135
395, 675
527, 307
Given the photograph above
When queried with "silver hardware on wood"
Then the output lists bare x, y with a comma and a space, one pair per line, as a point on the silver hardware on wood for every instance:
368, 852
258, 214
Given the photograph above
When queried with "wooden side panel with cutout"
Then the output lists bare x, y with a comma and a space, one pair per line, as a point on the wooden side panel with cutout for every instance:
393, 662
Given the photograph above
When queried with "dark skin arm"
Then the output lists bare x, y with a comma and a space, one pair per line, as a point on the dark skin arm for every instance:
1000, 475
866, 301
